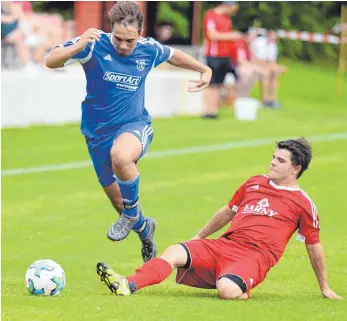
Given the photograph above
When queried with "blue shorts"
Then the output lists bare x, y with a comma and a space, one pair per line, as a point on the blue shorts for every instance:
99, 149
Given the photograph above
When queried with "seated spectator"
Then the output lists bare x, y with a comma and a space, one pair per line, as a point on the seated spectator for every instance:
247, 73
264, 53
11, 33
42, 30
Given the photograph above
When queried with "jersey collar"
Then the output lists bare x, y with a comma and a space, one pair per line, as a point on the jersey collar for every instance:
273, 184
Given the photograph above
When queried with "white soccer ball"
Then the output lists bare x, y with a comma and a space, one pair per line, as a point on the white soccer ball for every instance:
45, 277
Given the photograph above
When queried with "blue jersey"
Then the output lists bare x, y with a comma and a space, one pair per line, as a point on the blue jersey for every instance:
115, 84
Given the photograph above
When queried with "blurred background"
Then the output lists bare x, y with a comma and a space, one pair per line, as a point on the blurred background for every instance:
274, 34
284, 77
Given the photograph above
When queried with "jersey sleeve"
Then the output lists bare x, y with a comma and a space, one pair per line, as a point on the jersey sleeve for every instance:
210, 23
163, 53
236, 200
309, 225
83, 56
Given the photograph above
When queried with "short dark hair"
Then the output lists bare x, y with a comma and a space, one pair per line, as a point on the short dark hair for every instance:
160, 24
126, 13
301, 152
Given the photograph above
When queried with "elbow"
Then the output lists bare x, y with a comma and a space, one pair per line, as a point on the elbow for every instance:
48, 64
51, 63
313, 249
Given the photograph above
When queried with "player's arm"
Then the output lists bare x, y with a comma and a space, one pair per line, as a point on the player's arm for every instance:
182, 60
224, 36
215, 35
315, 252
60, 55
221, 218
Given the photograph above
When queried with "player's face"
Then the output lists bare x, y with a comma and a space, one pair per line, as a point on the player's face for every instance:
124, 38
232, 9
281, 167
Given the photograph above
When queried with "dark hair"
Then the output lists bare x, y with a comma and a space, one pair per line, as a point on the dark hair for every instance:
160, 24
301, 152
126, 13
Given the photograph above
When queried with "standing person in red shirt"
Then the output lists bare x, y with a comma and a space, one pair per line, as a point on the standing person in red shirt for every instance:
265, 212
217, 37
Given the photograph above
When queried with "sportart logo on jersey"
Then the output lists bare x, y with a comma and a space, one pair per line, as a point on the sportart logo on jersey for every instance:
261, 208
123, 81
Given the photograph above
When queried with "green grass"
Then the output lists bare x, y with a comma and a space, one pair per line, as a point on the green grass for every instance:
64, 215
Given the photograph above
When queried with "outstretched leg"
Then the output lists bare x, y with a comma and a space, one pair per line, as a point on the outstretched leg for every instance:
152, 272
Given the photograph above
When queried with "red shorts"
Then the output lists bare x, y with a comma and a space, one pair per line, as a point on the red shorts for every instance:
213, 259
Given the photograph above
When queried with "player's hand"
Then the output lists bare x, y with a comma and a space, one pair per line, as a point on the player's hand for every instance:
330, 294
196, 237
203, 83
91, 35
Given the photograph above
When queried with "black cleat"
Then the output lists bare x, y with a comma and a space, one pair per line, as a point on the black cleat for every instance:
149, 250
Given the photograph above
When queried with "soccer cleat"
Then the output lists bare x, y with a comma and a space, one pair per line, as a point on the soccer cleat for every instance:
276, 105
121, 228
272, 104
116, 283
149, 250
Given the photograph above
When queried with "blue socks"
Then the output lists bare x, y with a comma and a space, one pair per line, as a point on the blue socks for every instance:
130, 194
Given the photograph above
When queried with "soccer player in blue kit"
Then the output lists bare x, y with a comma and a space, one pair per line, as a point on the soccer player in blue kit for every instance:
115, 122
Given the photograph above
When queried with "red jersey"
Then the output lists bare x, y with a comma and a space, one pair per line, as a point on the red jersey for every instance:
267, 215
239, 50
217, 22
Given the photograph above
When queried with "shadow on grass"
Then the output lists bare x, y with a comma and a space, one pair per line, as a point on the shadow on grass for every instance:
257, 296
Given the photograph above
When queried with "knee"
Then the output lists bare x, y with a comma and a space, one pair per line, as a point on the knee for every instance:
228, 294
119, 158
228, 290
175, 255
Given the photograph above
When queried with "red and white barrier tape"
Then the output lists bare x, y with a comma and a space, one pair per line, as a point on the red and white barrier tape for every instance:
304, 36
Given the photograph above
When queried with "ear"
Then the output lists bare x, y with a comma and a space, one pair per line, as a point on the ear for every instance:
297, 170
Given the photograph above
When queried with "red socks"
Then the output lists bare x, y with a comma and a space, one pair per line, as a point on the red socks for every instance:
152, 272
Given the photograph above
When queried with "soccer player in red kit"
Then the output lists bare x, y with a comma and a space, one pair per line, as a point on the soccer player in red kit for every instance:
218, 35
265, 212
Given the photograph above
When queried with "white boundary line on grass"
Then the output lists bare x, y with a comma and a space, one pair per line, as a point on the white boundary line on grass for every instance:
174, 152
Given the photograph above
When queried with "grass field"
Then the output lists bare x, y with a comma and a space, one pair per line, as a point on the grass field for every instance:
64, 215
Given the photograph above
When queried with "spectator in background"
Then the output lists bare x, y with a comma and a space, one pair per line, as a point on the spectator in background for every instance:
42, 30
11, 33
218, 34
248, 73
265, 52
163, 31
